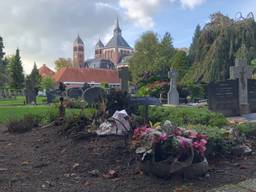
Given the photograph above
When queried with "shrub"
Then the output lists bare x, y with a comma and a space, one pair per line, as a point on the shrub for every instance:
248, 129
23, 125
182, 116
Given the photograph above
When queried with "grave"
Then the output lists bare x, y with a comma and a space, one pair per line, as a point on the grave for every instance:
236, 96
242, 72
94, 95
75, 92
173, 95
223, 97
124, 76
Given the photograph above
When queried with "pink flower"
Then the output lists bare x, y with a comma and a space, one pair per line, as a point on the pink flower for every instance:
201, 136
184, 142
200, 146
192, 134
163, 137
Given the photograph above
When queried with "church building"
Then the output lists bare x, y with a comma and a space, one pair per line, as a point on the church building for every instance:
107, 56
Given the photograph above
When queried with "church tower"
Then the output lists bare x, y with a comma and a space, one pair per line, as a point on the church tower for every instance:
99, 49
78, 52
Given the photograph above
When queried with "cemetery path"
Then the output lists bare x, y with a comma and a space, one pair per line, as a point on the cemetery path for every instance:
42, 160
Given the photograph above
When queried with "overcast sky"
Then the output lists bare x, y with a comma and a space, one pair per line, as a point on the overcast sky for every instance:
44, 30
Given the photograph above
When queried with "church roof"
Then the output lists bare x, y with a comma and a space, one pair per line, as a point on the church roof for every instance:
78, 40
117, 40
86, 75
99, 44
99, 63
45, 71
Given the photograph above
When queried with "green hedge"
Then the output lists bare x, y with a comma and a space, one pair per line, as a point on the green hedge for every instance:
182, 116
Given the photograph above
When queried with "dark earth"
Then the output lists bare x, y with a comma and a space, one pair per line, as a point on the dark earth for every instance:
42, 160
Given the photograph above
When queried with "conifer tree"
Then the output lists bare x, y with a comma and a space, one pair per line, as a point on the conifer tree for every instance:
16, 71
35, 77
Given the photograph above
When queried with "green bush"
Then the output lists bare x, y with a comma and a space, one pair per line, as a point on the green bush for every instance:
248, 129
23, 125
182, 116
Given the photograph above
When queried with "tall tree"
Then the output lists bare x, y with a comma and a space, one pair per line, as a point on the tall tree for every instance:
35, 77
165, 53
144, 60
3, 74
193, 50
62, 62
180, 64
16, 71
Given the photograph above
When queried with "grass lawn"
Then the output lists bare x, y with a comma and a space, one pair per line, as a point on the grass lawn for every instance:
19, 101
17, 112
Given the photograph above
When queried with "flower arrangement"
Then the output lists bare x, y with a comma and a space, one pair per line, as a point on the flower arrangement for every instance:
176, 144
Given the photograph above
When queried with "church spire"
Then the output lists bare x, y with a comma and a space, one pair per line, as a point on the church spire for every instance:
117, 29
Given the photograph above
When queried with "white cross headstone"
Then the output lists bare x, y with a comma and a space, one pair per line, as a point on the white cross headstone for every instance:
242, 72
173, 95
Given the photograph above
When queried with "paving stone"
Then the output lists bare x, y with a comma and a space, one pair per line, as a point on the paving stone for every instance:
229, 188
248, 184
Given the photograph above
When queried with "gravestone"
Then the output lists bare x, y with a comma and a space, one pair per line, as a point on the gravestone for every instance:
124, 76
94, 95
50, 95
223, 97
30, 91
75, 93
252, 95
242, 72
173, 95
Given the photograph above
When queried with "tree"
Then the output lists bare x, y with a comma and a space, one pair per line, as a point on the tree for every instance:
15, 70
1, 50
3, 62
145, 56
193, 50
180, 64
47, 83
62, 62
35, 77
219, 45
165, 53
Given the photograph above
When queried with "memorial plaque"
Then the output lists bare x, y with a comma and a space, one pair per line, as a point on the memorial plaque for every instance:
75, 92
252, 95
223, 97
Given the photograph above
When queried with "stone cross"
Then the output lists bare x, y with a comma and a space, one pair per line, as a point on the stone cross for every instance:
242, 72
173, 95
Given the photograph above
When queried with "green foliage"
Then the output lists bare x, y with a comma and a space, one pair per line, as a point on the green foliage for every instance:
180, 64
143, 91
24, 124
47, 83
3, 63
62, 62
35, 77
193, 50
249, 129
182, 116
15, 71
218, 45
145, 56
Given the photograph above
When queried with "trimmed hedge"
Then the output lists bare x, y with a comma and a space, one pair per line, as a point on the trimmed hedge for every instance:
182, 116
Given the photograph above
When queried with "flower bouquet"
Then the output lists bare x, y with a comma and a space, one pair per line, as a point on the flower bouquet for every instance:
166, 153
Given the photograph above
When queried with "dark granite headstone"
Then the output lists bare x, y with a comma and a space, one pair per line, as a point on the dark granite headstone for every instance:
50, 95
124, 76
223, 97
75, 92
252, 95
94, 95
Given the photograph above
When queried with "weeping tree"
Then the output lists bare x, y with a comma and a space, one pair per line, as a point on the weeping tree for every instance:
215, 47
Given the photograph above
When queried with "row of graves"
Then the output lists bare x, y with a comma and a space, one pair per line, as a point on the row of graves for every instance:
10, 93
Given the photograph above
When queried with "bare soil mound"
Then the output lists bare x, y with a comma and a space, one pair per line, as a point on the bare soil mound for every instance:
42, 160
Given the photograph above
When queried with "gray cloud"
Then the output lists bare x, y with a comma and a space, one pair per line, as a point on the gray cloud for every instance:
45, 29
